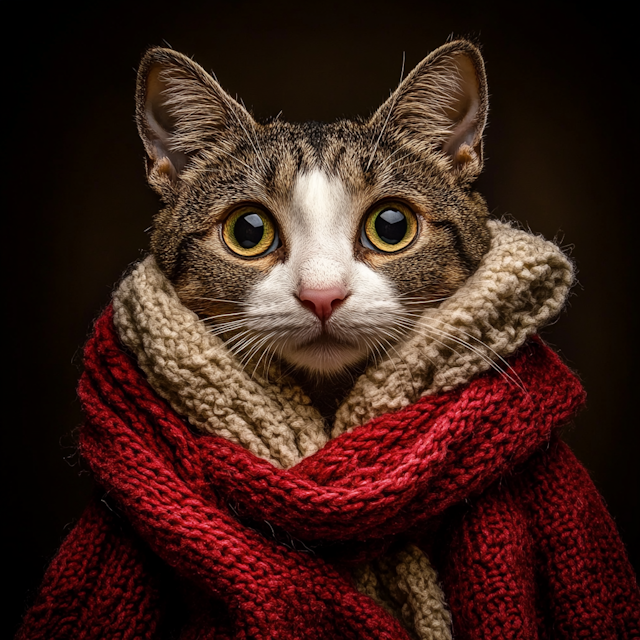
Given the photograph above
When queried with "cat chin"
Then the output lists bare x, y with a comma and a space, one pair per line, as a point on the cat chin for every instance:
324, 358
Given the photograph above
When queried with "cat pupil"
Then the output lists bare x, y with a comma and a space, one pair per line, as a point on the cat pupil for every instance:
249, 230
391, 226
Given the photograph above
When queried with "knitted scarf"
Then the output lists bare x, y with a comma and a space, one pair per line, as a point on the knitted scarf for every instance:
252, 523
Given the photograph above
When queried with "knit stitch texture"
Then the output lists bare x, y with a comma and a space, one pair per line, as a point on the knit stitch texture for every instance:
521, 283
206, 540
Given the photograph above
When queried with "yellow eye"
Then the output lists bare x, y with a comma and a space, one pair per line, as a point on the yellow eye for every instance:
250, 232
389, 227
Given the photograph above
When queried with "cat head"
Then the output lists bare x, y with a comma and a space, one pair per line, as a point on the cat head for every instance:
316, 243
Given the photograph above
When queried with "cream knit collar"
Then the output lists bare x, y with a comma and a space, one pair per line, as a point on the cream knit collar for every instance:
522, 282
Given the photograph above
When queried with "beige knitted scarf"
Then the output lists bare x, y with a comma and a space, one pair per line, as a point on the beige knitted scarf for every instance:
521, 283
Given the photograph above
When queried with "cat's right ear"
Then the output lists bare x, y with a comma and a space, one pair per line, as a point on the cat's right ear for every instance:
442, 106
181, 111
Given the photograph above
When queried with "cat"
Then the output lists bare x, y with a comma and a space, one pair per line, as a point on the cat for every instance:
319, 407
316, 243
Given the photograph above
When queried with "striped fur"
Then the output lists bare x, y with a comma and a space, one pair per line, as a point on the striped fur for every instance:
207, 156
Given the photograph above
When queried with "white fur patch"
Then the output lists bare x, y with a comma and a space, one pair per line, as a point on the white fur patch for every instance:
320, 231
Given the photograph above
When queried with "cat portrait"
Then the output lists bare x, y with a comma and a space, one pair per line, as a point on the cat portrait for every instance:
312, 202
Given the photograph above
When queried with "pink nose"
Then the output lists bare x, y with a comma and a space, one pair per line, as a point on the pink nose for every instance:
323, 302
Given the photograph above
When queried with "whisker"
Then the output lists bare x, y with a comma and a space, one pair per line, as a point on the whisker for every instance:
384, 126
486, 346
255, 349
223, 315
273, 353
231, 108
227, 326
263, 159
265, 352
237, 349
472, 337
422, 301
207, 323
431, 330
389, 343
239, 302
407, 296
235, 338
373, 346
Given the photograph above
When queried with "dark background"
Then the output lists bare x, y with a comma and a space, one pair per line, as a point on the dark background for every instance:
561, 155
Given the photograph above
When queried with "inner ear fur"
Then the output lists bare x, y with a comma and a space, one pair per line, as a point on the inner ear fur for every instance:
180, 111
442, 105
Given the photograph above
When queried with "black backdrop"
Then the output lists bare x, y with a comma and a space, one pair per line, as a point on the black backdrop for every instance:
561, 158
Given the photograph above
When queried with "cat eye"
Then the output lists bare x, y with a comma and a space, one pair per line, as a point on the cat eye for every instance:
250, 232
389, 227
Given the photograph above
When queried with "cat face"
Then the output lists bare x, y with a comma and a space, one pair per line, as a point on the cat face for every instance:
316, 243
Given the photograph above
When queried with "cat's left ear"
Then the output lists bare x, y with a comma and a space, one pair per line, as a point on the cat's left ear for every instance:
442, 106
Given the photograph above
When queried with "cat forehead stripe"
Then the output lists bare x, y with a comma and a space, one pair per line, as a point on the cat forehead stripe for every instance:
319, 229
319, 198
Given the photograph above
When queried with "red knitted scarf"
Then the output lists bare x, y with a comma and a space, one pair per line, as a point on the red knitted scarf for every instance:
198, 538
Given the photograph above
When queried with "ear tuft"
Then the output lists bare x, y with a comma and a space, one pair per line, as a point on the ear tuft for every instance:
159, 125
165, 167
464, 155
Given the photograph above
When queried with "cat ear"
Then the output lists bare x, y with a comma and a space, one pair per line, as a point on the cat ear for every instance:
442, 105
180, 111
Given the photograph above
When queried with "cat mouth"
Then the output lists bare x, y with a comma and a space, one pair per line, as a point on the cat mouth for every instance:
326, 353
330, 339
